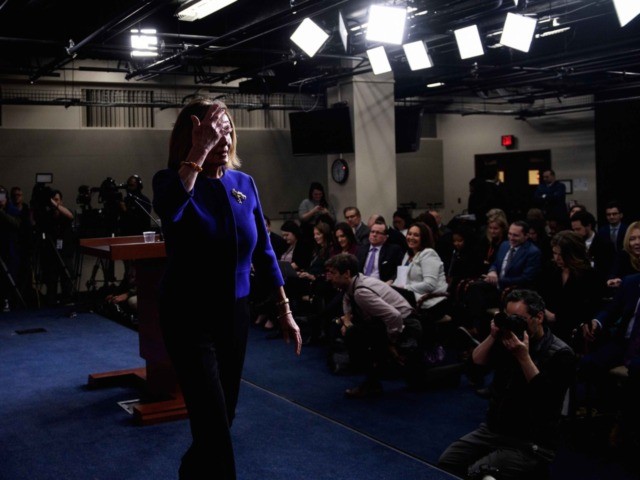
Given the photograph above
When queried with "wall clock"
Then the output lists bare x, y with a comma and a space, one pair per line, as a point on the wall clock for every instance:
340, 170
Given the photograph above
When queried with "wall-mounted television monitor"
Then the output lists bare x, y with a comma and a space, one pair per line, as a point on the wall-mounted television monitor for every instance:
321, 132
408, 128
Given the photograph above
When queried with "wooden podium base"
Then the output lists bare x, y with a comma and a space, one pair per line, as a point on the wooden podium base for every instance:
148, 412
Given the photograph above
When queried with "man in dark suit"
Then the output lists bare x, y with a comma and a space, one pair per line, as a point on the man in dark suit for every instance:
394, 236
551, 196
600, 252
379, 258
517, 264
615, 229
518, 261
354, 219
621, 348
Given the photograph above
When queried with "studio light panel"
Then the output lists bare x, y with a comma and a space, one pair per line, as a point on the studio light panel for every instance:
518, 32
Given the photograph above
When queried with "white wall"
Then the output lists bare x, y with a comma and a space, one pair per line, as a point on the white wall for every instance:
570, 138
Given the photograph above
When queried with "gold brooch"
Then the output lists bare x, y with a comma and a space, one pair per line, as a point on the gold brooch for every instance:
239, 196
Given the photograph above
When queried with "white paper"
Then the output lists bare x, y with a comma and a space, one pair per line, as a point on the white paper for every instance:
401, 277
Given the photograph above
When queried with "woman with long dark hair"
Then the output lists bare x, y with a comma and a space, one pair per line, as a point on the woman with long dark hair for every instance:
573, 290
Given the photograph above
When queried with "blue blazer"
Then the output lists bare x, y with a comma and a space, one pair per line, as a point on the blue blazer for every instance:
623, 305
524, 268
605, 233
213, 236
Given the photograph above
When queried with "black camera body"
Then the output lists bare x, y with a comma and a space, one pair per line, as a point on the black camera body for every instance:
511, 323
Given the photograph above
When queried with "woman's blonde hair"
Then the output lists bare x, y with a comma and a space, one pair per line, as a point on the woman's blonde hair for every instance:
635, 261
180, 143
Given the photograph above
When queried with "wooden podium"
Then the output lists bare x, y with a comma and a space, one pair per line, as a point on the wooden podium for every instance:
157, 379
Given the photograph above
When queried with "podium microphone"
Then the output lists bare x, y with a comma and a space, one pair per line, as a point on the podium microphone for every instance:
139, 202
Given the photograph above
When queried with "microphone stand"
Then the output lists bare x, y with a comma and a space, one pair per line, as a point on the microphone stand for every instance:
140, 202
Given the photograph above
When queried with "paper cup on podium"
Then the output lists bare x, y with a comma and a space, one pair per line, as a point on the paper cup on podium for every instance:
149, 237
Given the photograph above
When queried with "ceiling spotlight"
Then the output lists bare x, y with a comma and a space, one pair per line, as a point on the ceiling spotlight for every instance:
144, 43
469, 43
435, 85
627, 10
195, 9
344, 33
386, 24
309, 37
378, 60
518, 32
417, 55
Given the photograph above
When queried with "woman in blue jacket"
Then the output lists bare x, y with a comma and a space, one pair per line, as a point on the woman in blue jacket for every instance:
214, 234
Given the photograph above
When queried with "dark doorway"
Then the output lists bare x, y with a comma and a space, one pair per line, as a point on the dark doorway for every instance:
520, 172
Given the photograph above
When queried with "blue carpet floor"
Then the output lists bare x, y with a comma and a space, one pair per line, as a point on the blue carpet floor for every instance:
292, 420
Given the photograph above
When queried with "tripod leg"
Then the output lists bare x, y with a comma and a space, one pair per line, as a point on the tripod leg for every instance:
12, 282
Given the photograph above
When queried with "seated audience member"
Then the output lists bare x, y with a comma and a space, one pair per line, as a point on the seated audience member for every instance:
576, 207
377, 323
442, 248
313, 279
401, 221
277, 242
393, 236
618, 324
573, 290
614, 230
517, 265
354, 218
425, 284
627, 260
466, 260
379, 258
540, 238
298, 252
532, 372
496, 233
600, 252
345, 239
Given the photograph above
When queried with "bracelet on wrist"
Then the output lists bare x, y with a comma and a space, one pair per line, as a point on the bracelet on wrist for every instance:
282, 315
193, 166
284, 301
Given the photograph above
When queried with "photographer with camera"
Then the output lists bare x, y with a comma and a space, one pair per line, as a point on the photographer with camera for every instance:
533, 370
57, 242
135, 215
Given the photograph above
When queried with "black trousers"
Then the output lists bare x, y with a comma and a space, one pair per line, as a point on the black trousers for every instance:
207, 351
506, 458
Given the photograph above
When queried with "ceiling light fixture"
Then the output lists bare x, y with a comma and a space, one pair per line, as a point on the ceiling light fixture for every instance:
627, 10
386, 24
518, 32
469, 43
417, 55
144, 43
435, 85
378, 60
344, 32
309, 37
197, 9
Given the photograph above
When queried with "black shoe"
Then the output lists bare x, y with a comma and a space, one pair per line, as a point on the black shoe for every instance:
364, 390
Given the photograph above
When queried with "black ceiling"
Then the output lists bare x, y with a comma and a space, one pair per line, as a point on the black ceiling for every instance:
39, 38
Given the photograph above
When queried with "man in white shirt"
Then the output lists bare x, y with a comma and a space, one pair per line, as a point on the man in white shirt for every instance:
377, 322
